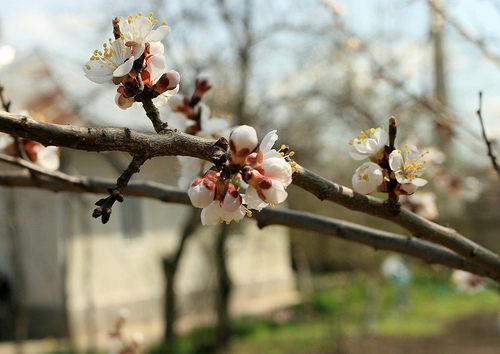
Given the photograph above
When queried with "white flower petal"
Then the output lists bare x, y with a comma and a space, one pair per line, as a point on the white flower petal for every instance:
268, 141
155, 65
158, 34
125, 68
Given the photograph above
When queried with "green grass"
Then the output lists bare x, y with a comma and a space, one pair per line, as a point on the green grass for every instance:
349, 305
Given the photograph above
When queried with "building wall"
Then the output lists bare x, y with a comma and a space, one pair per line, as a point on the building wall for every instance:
74, 262
32, 234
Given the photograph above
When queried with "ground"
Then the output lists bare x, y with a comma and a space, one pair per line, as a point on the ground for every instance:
476, 334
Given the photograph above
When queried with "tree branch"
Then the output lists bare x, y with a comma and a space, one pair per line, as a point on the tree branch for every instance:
377, 239
418, 226
170, 143
176, 143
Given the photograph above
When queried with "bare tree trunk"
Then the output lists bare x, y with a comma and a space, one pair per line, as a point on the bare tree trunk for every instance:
170, 265
224, 291
437, 29
19, 291
444, 122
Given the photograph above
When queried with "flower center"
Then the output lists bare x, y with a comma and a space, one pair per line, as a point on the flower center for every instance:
106, 55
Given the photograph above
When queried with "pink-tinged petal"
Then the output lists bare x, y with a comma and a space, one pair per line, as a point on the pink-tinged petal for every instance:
156, 65
231, 202
200, 195
123, 102
277, 167
276, 194
252, 199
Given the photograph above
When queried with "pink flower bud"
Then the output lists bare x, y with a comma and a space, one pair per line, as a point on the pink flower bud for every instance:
202, 191
167, 82
180, 103
202, 86
242, 142
232, 198
269, 189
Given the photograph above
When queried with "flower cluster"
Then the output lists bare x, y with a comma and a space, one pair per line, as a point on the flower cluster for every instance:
135, 62
263, 171
192, 116
389, 170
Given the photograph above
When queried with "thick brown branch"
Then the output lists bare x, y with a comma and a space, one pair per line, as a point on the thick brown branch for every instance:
301, 220
175, 143
377, 239
171, 143
418, 226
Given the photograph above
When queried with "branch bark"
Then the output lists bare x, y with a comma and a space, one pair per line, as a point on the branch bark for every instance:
176, 143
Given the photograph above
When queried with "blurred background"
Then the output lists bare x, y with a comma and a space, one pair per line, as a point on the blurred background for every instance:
317, 71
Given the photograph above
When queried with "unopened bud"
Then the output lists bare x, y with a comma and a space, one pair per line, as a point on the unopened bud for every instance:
242, 142
202, 86
168, 81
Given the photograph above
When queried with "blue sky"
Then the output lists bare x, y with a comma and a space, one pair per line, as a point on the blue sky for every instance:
75, 30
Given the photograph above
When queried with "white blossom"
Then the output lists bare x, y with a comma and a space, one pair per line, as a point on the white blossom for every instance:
367, 178
140, 30
112, 63
214, 214
369, 143
408, 166
268, 176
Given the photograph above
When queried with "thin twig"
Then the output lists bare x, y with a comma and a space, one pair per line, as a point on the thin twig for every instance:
487, 141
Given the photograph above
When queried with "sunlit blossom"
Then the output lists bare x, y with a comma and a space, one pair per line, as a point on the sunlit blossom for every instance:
267, 175
259, 169
408, 165
139, 30
112, 63
369, 143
